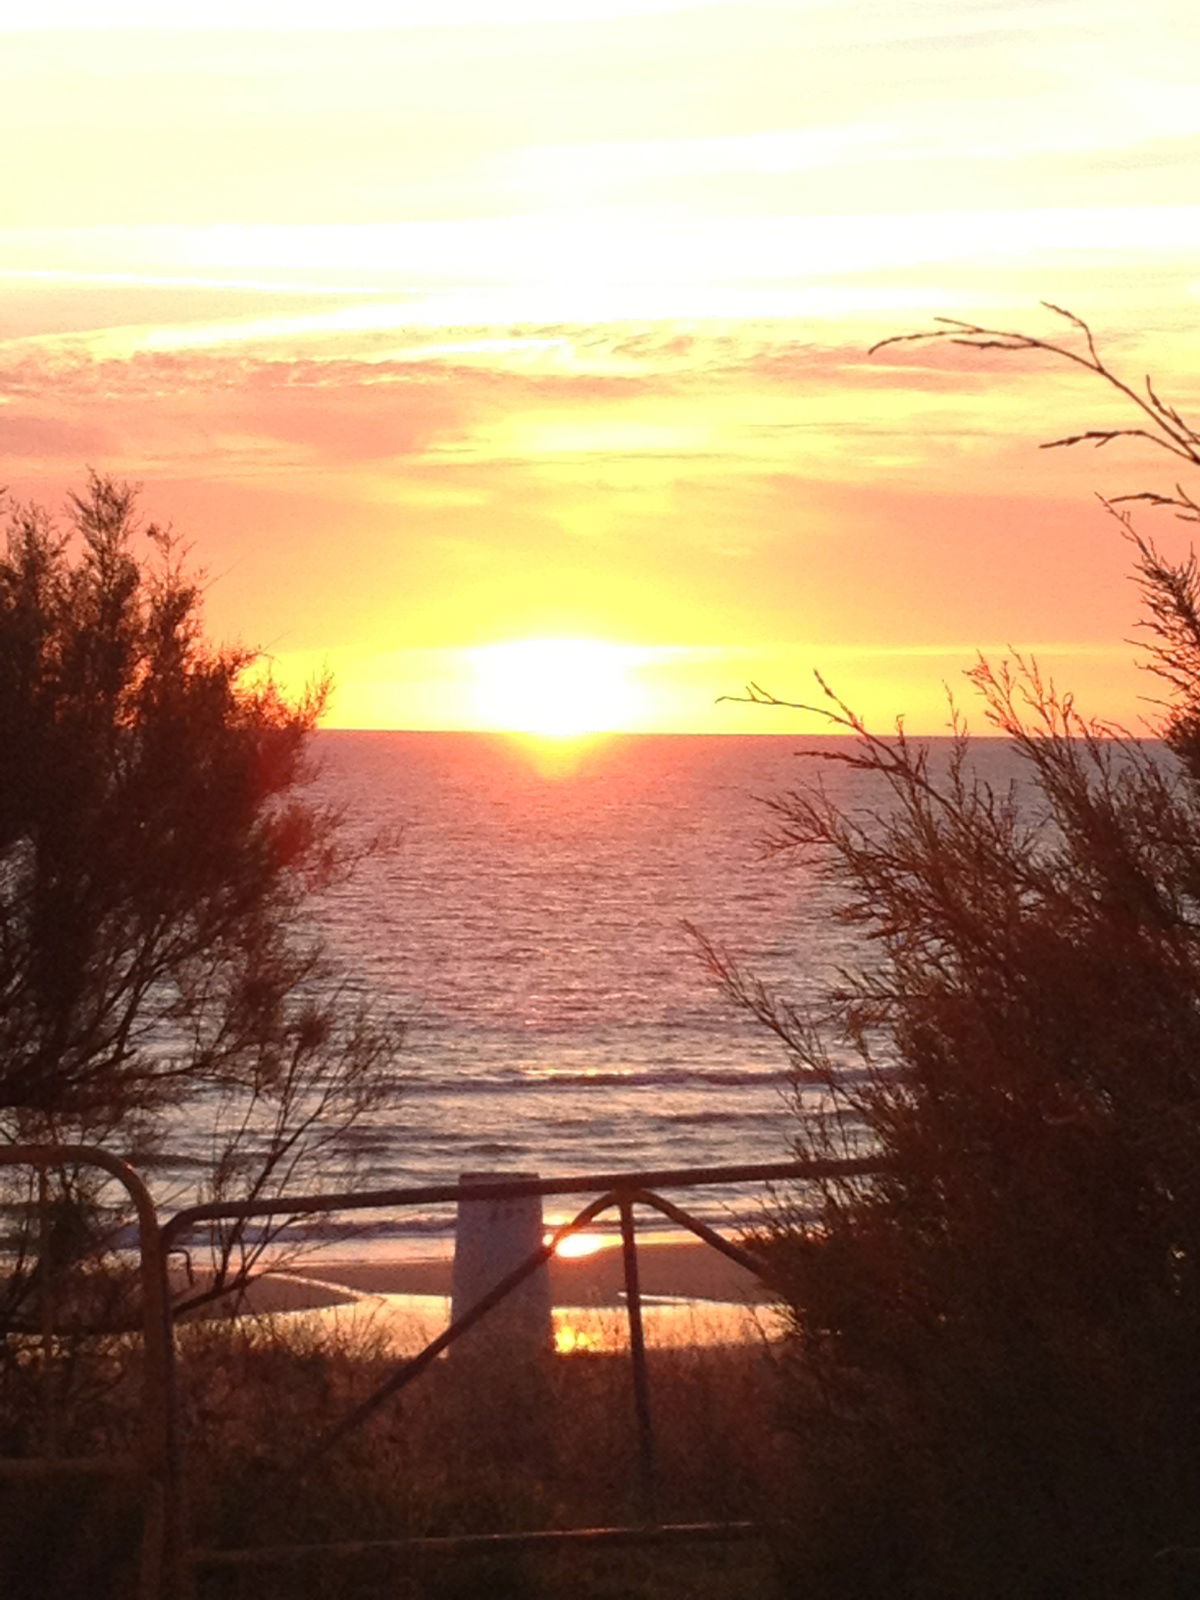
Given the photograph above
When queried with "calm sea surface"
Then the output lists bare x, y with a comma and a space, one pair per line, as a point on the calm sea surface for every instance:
529, 926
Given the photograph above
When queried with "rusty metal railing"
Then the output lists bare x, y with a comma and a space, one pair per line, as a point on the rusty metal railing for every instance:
157, 1461
169, 1561
621, 1192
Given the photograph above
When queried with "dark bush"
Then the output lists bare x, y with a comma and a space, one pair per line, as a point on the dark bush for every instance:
997, 1335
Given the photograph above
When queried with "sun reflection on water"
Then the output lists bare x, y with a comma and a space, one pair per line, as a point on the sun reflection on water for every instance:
572, 1340
553, 755
577, 1244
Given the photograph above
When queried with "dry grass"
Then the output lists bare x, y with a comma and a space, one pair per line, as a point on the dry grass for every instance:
466, 1450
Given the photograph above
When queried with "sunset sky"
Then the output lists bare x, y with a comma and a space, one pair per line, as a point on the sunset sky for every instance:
444, 329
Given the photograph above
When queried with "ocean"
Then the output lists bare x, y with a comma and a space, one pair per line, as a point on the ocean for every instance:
525, 914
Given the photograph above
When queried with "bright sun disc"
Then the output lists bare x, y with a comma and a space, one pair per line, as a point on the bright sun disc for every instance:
558, 688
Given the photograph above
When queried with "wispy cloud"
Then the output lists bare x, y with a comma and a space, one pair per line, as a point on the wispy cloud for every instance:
319, 16
552, 315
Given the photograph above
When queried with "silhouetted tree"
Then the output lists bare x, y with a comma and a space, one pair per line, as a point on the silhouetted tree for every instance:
156, 851
999, 1333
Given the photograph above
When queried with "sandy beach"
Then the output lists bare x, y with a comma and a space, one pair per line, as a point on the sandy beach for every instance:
692, 1295
674, 1268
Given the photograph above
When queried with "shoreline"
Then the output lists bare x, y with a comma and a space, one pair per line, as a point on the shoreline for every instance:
692, 1295
676, 1268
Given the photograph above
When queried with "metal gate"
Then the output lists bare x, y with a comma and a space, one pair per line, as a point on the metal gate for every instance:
169, 1561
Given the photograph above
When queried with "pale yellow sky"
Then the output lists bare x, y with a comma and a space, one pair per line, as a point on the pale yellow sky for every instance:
439, 331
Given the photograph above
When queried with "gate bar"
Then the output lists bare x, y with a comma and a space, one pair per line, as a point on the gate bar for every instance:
485, 1543
637, 1353
588, 1183
162, 1564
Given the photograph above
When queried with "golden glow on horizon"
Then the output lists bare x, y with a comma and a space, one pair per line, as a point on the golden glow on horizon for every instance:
556, 688
680, 688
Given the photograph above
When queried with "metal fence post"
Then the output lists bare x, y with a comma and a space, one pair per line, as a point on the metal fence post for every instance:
637, 1351
163, 1567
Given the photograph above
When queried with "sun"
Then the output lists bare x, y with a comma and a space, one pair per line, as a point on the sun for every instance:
556, 688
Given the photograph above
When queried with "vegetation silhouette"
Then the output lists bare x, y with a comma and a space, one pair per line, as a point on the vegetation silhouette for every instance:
995, 1340
156, 852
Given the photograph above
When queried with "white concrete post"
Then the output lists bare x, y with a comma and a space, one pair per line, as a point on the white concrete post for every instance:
492, 1238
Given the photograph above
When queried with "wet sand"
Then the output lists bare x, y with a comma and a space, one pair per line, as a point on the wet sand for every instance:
679, 1270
